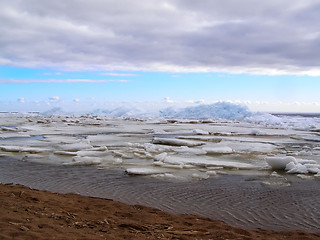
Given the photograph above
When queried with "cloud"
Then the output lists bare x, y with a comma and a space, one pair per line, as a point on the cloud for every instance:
54, 99
61, 81
200, 101
52, 73
269, 37
168, 100
119, 74
21, 100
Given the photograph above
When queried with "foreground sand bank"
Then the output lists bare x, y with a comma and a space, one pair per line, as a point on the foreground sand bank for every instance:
33, 214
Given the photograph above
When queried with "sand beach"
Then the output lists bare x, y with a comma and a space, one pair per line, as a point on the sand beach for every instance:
32, 214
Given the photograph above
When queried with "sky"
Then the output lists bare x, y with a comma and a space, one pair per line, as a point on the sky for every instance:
81, 55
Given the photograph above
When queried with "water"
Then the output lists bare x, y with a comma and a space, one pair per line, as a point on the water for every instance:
237, 200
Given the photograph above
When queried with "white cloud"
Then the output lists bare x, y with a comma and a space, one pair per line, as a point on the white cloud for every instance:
61, 80
21, 100
119, 74
54, 99
200, 101
260, 37
52, 73
168, 100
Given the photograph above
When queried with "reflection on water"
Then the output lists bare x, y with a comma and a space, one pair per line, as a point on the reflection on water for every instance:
237, 200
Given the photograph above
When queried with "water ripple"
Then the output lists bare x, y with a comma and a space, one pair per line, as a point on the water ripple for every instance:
229, 198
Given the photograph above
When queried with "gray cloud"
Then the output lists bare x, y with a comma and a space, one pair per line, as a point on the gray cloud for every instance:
178, 35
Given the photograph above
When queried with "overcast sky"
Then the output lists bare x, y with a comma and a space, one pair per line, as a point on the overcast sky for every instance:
123, 39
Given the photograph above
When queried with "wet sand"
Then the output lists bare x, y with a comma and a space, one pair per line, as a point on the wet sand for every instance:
33, 214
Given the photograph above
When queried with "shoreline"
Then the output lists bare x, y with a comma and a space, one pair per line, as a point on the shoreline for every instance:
238, 201
28, 214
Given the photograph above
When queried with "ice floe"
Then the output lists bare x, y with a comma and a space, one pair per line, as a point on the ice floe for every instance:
144, 171
280, 163
73, 147
176, 142
293, 165
218, 150
83, 161
23, 149
187, 145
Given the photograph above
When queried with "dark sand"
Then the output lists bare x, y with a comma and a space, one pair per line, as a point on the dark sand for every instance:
33, 214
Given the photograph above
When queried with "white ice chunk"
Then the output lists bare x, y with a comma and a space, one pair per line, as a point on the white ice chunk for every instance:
176, 142
10, 148
120, 154
73, 147
158, 131
298, 168
279, 163
9, 129
258, 132
65, 153
152, 148
91, 153
302, 176
13, 135
275, 174
313, 168
190, 151
200, 132
218, 150
102, 148
161, 157
212, 173
83, 161
144, 171
169, 176
24, 149
305, 161
200, 176
184, 161
173, 160
290, 166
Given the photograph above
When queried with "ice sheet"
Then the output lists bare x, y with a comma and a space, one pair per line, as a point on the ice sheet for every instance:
190, 148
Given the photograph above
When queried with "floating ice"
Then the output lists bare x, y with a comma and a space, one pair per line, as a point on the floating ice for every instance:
161, 157
176, 142
276, 180
144, 171
65, 153
73, 147
13, 135
9, 129
23, 149
211, 173
293, 165
279, 163
200, 132
190, 151
258, 132
184, 146
84, 153
200, 175
83, 161
296, 168
218, 150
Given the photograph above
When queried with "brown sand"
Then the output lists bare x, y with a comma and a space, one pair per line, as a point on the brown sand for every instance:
33, 214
